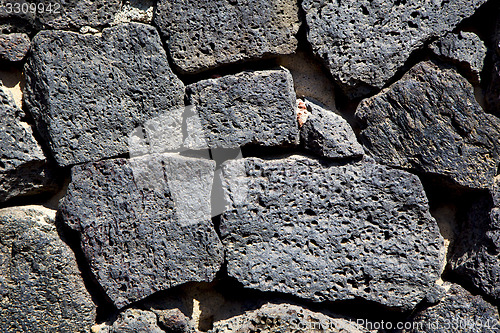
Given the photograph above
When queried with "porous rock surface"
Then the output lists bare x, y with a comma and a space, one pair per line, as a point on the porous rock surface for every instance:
276, 318
256, 107
493, 91
41, 288
364, 43
28, 16
133, 320
459, 311
430, 121
143, 227
116, 81
476, 255
330, 232
464, 49
23, 167
204, 34
328, 134
13, 47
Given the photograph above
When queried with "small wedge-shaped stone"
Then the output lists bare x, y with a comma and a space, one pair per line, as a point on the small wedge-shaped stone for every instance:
458, 311
23, 166
466, 50
250, 107
328, 134
88, 92
430, 121
476, 255
133, 320
366, 42
13, 47
329, 232
41, 289
145, 223
209, 33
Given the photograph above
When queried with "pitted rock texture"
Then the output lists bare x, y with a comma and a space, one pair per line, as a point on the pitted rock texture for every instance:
247, 108
364, 43
465, 49
27, 16
116, 81
493, 91
328, 134
277, 318
41, 289
145, 223
458, 311
430, 121
330, 232
13, 47
133, 320
208, 33
23, 167
476, 255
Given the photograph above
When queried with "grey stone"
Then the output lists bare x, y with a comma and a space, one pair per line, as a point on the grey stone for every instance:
41, 289
132, 321
492, 95
13, 47
145, 223
174, 321
328, 134
28, 16
116, 81
329, 232
458, 311
364, 43
475, 256
206, 34
465, 50
247, 108
278, 318
23, 167
135, 11
430, 121
13, 21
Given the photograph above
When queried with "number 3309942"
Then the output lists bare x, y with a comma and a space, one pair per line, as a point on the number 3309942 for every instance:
33, 8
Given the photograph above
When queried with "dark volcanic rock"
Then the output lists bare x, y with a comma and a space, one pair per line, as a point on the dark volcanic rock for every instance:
476, 255
366, 42
26, 16
493, 92
330, 232
23, 167
133, 320
278, 318
328, 134
465, 49
145, 223
41, 289
13, 47
250, 107
458, 311
430, 121
208, 33
88, 92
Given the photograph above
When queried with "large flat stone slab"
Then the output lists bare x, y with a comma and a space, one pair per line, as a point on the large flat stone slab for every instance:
364, 43
329, 232
88, 92
145, 223
209, 33
247, 108
430, 121
41, 288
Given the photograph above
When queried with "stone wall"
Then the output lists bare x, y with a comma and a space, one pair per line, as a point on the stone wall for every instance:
249, 166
